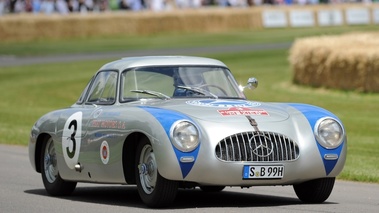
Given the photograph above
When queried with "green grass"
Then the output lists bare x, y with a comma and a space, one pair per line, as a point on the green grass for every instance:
27, 92
122, 43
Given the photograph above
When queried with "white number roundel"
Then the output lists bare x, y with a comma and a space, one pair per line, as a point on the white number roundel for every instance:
71, 139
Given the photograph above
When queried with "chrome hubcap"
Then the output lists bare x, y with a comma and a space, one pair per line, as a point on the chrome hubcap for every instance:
147, 169
50, 162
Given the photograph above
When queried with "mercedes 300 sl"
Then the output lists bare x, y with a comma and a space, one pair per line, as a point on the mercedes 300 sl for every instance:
169, 122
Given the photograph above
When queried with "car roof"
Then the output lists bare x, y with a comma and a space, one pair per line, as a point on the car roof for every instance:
131, 62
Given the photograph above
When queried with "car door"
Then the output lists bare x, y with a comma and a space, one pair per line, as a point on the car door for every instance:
80, 150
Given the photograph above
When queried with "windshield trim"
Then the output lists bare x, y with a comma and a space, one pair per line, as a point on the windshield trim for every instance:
230, 78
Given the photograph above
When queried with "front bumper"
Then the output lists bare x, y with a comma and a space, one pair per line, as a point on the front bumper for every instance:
310, 162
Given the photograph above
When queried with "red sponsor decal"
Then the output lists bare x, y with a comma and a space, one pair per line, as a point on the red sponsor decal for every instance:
242, 111
108, 124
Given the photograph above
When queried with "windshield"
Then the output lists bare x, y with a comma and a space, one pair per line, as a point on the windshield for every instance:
178, 82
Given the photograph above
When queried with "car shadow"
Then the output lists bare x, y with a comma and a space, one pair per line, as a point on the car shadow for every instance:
186, 198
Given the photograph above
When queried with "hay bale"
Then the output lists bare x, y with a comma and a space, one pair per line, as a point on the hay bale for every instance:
29, 27
348, 62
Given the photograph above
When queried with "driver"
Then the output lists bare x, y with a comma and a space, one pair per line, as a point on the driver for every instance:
190, 77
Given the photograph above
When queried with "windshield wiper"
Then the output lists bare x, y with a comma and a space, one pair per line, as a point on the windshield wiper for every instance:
154, 93
198, 90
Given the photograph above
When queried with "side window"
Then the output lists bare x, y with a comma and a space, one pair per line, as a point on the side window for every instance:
103, 90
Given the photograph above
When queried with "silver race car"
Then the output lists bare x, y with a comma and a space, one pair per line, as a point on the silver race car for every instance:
169, 122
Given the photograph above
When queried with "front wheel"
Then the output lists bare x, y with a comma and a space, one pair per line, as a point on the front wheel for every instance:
314, 191
52, 181
154, 190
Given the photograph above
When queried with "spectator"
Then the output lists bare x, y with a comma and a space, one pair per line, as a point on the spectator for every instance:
62, 7
12, 4
268, 1
72, 5
237, 3
135, 5
36, 6
47, 6
258, 2
28, 5
16, 6
223, 3
182, 4
156, 5
103, 5
67, 6
196, 3
302, 2
123, 5
313, 2
85, 6
189, 3
2, 7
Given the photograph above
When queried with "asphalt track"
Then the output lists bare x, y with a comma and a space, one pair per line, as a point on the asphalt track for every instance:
21, 188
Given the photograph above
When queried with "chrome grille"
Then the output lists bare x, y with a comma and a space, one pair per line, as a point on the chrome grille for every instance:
257, 147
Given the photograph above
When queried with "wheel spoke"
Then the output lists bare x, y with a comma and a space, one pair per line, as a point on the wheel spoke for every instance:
154, 190
148, 169
50, 165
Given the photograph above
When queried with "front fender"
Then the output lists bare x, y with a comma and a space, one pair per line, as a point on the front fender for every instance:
333, 166
172, 163
44, 125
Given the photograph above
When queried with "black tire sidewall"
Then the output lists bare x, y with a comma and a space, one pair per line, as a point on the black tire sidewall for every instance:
165, 190
315, 191
59, 187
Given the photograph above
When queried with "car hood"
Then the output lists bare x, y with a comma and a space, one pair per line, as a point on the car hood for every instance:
222, 110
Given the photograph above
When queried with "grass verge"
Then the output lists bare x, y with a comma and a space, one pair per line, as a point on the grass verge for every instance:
159, 41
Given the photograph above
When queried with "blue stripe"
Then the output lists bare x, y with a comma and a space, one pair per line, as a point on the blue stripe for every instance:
313, 114
167, 118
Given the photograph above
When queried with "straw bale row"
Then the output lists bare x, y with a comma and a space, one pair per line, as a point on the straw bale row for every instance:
347, 62
24, 27
39, 27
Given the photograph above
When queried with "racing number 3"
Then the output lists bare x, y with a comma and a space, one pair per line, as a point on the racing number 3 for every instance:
71, 139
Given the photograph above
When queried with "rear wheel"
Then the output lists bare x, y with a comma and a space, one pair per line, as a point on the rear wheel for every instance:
314, 191
154, 190
52, 181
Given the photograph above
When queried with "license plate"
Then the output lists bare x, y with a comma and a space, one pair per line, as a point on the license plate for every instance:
263, 172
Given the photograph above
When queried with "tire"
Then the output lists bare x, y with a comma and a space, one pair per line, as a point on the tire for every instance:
212, 188
155, 191
314, 191
52, 181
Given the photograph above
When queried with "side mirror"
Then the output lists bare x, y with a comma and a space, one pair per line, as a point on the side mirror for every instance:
252, 83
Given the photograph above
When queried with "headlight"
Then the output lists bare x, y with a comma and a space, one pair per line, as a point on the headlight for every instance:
185, 136
329, 133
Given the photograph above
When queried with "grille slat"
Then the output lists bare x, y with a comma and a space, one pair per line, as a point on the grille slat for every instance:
257, 147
